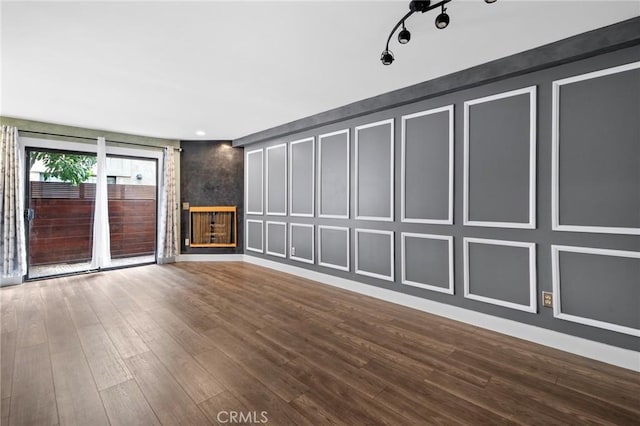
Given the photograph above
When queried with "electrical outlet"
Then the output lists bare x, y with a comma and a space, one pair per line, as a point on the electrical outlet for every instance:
185, 206
186, 242
293, 251
547, 299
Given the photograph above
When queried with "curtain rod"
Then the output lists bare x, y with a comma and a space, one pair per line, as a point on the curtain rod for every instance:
91, 139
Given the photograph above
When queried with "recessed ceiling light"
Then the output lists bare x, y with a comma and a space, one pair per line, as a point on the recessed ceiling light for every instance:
200, 133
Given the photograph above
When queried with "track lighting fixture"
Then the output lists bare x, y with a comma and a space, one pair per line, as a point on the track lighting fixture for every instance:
387, 57
442, 21
404, 36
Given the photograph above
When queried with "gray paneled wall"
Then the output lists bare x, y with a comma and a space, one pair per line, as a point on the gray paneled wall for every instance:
333, 175
301, 246
597, 147
333, 247
254, 239
302, 177
480, 198
277, 180
500, 272
612, 279
427, 261
254, 179
276, 236
427, 156
500, 160
374, 253
374, 171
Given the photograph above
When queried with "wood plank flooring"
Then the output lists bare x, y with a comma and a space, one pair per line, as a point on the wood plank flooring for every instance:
193, 343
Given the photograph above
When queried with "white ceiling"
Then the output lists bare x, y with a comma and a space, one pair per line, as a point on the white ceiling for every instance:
167, 69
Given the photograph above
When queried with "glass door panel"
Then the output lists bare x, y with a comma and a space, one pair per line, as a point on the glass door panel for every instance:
132, 192
60, 198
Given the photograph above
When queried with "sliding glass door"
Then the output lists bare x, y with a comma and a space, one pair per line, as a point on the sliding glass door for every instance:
60, 202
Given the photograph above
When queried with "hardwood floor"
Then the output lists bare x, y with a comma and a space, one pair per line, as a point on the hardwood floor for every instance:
200, 343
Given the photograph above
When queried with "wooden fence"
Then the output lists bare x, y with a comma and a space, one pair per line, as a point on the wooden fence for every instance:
62, 228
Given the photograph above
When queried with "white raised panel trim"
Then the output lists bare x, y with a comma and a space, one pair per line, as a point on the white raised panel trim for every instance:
247, 246
533, 301
390, 234
248, 177
405, 118
269, 211
275, 253
313, 174
389, 218
348, 156
331, 265
557, 302
449, 239
614, 355
531, 224
302, 259
555, 154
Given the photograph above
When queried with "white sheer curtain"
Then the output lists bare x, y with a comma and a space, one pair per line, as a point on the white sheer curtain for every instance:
12, 242
168, 229
101, 256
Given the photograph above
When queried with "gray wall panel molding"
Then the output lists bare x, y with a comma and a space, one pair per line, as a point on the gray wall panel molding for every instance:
374, 170
302, 170
276, 180
428, 263
254, 181
596, 151
607, 39
276, 238
614, 277
334, 171
427, 166
333, 247
301, 242
375, 256
254, 240
500, 184
497, 273
543, 236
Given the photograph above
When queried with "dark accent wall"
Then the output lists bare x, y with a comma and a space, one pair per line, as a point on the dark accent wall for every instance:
504, 246
211, 174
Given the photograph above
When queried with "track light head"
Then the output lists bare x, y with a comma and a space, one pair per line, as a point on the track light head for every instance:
442, 20
387, 57
404, 36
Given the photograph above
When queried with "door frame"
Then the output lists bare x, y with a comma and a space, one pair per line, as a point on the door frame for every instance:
91, 147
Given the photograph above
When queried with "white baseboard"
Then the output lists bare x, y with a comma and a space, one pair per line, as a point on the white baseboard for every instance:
620, 357
210, 258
